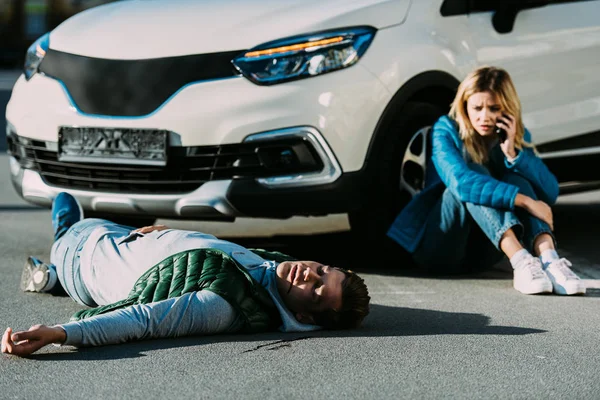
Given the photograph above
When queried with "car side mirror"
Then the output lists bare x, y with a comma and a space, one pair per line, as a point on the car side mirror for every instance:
506, 12
504, 17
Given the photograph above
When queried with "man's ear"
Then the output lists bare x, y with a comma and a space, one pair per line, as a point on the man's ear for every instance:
305, 318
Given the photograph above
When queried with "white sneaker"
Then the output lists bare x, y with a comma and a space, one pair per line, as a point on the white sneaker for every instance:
530, 278
563, 279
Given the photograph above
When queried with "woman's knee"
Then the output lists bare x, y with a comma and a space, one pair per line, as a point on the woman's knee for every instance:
523, 184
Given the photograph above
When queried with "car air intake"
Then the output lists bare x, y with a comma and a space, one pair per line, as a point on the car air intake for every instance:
186, 170
131, 88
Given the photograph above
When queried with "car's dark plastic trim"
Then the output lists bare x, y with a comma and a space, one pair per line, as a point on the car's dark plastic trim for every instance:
579, 142
253, 199
135, 88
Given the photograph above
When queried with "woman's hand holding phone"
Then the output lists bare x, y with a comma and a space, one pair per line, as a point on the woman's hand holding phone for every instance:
506, 128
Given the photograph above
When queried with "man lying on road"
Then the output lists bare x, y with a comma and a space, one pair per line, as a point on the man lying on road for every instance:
156, 282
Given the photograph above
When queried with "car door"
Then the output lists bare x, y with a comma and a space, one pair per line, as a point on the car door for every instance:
552, 52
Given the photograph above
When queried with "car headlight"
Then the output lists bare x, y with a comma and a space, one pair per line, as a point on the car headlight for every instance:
304, 56
35, 55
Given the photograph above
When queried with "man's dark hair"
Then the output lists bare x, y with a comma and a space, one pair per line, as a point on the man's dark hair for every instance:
355, 305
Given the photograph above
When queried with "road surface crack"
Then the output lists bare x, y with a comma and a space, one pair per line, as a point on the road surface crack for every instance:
280, 344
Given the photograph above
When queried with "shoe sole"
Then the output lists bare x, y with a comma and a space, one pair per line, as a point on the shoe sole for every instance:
80, 218
564, 291
546, 288
30, 269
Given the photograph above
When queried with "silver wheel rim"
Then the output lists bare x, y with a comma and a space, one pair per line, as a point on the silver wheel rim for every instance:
414, 163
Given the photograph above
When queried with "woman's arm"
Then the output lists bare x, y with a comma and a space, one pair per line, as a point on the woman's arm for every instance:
466, 184
197, 313
531, 167
26, 342
537, 208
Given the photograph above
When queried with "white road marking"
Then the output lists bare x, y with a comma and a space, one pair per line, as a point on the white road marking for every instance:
591, 283
588, 272
582, 267
8, 79
6, 86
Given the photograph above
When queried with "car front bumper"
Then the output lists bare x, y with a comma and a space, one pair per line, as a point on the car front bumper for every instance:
331, 113
216, 200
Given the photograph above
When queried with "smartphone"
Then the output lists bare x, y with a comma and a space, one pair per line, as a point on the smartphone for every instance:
501, 132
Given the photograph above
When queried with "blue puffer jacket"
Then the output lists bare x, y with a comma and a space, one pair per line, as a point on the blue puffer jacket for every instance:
448, 168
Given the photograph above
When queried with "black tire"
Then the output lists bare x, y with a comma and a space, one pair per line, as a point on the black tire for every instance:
385, 198
135, 222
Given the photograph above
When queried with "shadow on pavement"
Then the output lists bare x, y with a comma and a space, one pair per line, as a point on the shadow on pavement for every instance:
341, 249
389, 259
577, 225
382, 321
403, 321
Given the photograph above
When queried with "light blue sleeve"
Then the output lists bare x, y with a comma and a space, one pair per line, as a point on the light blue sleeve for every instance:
197, 313
466, 184
531, 167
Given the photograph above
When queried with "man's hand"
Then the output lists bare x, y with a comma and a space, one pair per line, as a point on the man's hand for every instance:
26, 342
151, 228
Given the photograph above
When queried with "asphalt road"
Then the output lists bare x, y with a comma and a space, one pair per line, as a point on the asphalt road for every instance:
426, 337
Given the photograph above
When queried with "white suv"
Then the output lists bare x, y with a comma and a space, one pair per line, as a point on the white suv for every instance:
274, 108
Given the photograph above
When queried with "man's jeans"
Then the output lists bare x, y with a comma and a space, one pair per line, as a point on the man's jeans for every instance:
65, 256
462, 236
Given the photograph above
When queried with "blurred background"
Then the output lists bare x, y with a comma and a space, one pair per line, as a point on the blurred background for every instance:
23, 21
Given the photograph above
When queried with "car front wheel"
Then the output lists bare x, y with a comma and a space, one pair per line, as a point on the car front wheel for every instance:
396, 171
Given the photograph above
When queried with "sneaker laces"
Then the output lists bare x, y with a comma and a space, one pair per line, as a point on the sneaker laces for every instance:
563, 266
535, 268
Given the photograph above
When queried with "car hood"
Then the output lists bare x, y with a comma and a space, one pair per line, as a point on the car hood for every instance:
137, 29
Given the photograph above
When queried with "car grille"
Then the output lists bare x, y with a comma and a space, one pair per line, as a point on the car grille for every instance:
131, 87
186, 170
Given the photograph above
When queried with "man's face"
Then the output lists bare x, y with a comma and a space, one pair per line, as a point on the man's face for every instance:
307, 287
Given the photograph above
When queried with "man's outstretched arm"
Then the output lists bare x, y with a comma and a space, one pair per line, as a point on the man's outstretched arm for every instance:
27, 342
198, 313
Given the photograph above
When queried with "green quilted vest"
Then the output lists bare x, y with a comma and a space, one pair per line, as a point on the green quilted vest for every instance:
205, 269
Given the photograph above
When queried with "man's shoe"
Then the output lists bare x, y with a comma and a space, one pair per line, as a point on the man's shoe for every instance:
563, 278
35, 275
66, 211
530, 278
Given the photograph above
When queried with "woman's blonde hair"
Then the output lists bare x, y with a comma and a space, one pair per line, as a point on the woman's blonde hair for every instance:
497, 82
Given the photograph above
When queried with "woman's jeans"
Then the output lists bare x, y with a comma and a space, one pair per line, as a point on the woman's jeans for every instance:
65, 256
465, 236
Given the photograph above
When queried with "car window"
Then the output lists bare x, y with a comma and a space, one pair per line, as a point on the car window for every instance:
461, 7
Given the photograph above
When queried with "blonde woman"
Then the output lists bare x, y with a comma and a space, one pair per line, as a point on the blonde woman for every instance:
491, 194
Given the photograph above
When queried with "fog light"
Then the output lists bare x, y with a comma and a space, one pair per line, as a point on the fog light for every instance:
303, 154
278, 157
